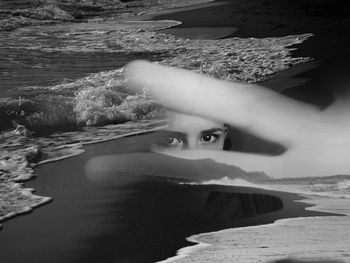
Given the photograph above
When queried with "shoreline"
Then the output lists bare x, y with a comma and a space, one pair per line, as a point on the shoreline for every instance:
281, 224
315, 203
28, 209
19, 16
74, 149
336, 205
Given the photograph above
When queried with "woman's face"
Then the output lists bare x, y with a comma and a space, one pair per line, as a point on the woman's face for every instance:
192, 132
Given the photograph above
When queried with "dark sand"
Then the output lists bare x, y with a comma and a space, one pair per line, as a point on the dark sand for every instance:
130, 218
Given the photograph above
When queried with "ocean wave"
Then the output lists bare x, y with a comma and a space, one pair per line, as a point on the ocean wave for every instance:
103, 98
17, 14
86, 102
88, 108
24, 13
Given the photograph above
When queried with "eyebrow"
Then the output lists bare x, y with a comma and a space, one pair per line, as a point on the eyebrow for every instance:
166, 133
210, 131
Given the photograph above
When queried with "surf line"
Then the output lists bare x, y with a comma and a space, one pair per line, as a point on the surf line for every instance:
186, 251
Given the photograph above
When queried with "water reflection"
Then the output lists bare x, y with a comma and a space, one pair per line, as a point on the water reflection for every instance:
154, 216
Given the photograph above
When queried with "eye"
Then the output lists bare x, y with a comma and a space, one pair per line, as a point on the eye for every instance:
209, 138
173, 142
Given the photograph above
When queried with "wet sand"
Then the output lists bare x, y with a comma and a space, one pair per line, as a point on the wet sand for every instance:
112, 219
290, 240
259, 18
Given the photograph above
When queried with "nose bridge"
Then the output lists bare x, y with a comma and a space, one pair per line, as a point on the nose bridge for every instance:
191, 142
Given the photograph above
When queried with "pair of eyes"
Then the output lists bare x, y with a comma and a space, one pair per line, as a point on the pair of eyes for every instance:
204, 139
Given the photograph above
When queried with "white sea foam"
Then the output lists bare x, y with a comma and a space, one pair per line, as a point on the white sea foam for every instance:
17, 200
298, 238
186, 251
301, 238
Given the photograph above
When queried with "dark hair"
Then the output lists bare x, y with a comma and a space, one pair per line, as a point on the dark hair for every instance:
227, 144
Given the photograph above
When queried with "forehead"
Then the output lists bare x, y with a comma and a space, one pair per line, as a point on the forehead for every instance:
190, 124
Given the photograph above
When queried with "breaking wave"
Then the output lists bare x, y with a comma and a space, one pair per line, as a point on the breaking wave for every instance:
97, 100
